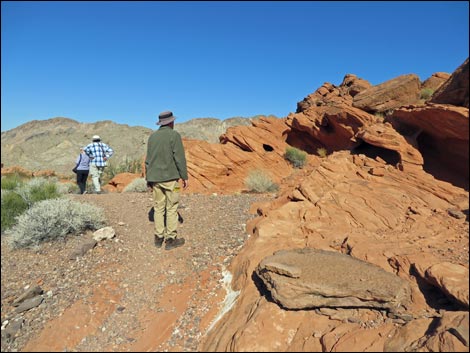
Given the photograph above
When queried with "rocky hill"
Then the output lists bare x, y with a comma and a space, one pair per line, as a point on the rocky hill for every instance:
54, 144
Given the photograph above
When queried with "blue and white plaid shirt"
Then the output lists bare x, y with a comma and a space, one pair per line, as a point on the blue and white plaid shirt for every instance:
98, 152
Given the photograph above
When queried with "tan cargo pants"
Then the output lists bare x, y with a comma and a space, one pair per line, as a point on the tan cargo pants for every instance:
96, 173
166, 197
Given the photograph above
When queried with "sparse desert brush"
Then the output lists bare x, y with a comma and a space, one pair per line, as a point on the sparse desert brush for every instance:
295, 156
11, 181
12, 206
136, 185
127, 166
259, 181
68, 188
380, 115
322, 152
18, 194
426, 93
54, 219
38, 189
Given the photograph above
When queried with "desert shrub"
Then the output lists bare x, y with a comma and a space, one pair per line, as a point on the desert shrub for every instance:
54, 219
136, 185
12, 206
68, 188
20, 194
11, 181
38, 189
322, 152
127, 166
379, 115
389, 112
295, 156
259, 181
426, 93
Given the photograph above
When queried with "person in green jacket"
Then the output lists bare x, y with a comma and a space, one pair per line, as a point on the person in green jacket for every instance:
165, 165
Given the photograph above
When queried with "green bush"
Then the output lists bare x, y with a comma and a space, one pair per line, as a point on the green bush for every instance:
38, 189
426, 93
11, 181
13, 205
259, 181
128, 166
295, 156
322, 152
19, 194
379, 115
69, 187
50, 220
136, 185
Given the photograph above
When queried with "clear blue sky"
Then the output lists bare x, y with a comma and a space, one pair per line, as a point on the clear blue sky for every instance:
127, 61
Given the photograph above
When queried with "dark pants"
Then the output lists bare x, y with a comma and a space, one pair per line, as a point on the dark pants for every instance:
82, 176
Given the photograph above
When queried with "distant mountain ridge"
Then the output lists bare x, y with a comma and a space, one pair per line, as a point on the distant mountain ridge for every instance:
54, 143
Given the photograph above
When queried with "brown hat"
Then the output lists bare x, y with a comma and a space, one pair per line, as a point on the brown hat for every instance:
166, 118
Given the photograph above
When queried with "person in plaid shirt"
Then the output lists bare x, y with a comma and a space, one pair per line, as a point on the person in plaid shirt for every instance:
99, 153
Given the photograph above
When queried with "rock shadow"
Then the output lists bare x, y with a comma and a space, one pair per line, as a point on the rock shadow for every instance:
434, 297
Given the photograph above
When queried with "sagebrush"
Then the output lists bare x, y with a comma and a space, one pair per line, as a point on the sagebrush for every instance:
295, 156
12, 206
426, 93
18, 194
259, 181
127, 166
54, 219
322, 152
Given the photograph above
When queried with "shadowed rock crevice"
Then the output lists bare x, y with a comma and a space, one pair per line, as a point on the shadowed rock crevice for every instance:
262, 289
303, 141
389, 156
441, 161
267, 147
433, 295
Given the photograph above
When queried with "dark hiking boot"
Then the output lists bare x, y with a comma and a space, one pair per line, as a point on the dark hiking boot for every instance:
159, 241
174, 243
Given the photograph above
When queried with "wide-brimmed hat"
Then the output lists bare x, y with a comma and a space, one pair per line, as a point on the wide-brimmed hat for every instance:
165, 118
96, 138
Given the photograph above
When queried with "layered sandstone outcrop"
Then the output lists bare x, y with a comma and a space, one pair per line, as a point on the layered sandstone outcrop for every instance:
455, 90
395, 221
372, 199
394, 93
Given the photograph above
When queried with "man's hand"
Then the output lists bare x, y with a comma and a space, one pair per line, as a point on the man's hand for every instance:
149, 185
185, 184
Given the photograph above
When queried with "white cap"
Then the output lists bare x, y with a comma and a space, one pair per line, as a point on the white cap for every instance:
96, 137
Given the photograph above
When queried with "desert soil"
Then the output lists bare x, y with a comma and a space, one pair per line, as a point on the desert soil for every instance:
125, 294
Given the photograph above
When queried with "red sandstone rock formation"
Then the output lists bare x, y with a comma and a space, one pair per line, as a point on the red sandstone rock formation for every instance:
455, 90
396, 221
402, 90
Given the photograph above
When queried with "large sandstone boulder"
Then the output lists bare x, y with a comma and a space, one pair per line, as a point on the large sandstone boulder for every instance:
452, 279
330, 94
311, 278
385, 137
441, 133
397, 92
354, 84
331, 127
436, 80
455, 90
